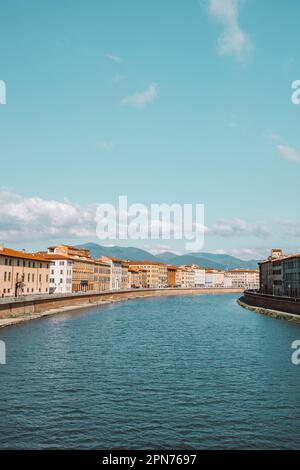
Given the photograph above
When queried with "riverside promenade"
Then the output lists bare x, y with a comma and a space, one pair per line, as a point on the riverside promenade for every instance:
14, 310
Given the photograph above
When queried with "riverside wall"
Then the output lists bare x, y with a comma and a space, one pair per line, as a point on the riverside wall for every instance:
270, 302
38, 304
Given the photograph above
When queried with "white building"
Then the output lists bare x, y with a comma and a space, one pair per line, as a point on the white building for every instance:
245, 278
116, 271
227, 280
61, 272
214, 278
199, 276
185, 277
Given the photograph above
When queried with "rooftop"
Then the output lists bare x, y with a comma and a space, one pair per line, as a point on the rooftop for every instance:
20, 254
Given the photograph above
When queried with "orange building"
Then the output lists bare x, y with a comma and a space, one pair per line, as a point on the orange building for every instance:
172, 275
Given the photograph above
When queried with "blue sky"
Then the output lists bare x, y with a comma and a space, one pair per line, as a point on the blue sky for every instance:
213, 122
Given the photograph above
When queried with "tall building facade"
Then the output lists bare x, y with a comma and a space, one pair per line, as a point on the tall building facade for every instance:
22, 273
115, 271
280, 274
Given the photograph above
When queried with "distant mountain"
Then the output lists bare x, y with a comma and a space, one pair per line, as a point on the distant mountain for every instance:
230, 261
131, 253
208, 259
190, 259
211, 260
165, 256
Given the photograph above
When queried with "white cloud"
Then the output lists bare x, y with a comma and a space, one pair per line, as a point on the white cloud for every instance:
291, 228
288, 153
114, 58
140, 99
33, 218
233, 40
104, 145
238, 227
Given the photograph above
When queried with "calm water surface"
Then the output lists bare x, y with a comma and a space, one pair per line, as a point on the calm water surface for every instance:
178, 372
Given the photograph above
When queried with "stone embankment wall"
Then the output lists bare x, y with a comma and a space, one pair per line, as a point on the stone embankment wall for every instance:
281, 304
14, 307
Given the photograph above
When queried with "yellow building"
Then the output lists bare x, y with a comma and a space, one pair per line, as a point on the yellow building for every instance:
102, 273
156, 273
185, 277
22, 273
125, 276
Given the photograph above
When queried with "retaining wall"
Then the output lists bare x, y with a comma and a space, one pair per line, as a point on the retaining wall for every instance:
15, 307
281, 304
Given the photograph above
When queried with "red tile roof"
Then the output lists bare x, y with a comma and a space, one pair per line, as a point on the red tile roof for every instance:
21, 254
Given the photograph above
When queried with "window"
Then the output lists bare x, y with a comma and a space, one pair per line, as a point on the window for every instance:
6, 261
32, 277
18, 262
5, 276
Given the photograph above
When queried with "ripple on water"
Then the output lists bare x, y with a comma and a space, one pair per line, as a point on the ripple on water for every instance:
185, 373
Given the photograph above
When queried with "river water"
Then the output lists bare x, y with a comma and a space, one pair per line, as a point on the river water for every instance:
175, 373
